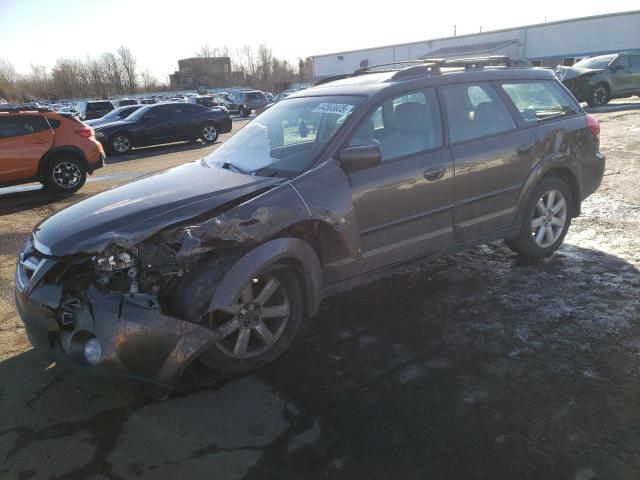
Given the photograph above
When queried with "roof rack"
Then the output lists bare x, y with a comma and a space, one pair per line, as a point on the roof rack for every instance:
433, 65
23, 108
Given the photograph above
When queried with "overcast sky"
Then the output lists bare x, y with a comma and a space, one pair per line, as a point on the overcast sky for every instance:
159, 32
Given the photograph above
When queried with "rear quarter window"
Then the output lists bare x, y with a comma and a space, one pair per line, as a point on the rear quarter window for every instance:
540, 101
54, 123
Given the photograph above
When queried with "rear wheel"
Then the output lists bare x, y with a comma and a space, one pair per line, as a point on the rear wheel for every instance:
209, 133
260, 325
546, 219
120, 143
599, 95
65, 174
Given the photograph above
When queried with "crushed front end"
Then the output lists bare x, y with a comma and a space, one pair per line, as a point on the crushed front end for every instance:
104, 313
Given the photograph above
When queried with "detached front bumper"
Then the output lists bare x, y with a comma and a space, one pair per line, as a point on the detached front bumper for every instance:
137, 341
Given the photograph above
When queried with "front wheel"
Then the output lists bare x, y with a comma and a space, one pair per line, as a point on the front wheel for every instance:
546, 219
260, 325
65, 175
599, 96
209, 133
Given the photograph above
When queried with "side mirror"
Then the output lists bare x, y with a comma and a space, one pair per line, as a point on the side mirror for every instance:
353, 159
617, 66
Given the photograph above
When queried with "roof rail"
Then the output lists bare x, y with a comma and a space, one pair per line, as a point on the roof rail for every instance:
432, 65
23, 108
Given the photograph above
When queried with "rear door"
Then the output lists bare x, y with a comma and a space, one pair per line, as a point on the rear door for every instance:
492, 158
620, 80
404, 206
24, 139
634, 79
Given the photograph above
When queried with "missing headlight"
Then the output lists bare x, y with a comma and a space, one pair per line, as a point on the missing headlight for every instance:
111, 263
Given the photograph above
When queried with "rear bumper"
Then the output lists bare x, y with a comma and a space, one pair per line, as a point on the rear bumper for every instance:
592, 174
95, 159
225, 124
140, 345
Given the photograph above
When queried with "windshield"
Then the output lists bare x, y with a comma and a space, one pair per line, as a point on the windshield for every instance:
595, 62
138, 114
120, 113
287, 137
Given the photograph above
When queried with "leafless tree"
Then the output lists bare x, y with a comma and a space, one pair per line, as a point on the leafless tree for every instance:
128, 67
112, 72
8, 79
149, 82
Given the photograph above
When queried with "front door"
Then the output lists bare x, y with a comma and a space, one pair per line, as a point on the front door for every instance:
404, 206
24, 139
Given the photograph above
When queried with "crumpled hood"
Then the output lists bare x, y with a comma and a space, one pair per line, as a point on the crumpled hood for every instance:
129, 213
567, 73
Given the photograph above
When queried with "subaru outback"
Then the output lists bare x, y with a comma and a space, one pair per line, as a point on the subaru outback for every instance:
337, 185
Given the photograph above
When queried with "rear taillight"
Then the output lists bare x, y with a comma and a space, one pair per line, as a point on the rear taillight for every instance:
85, 132
593, 124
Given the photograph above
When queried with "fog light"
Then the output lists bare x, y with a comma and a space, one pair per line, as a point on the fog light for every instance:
92, 351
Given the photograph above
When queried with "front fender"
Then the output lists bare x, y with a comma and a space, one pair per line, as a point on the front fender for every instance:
255, 261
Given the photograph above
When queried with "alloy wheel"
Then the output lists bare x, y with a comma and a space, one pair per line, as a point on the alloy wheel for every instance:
121, 144
600, 95
66, 175
549, 218
209, 133
256, 322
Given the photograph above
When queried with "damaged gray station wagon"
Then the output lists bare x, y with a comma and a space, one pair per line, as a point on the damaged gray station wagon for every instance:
222, 259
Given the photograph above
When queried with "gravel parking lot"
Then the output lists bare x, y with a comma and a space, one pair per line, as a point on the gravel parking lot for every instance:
475, 366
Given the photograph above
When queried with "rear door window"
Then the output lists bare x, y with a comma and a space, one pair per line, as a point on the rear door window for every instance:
539, 101
22, 125
474, 111
634, 61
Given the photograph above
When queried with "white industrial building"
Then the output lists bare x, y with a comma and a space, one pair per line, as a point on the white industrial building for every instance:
545, 44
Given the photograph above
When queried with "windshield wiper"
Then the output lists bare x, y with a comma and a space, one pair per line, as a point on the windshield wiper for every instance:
231, 166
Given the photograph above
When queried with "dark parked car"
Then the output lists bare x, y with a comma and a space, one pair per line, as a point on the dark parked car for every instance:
164, 123
114, 115
337, 185
597, 80
125, 101
91, 110
246, 101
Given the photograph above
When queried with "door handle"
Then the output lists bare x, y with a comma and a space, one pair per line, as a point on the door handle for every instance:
41, 141
522, 149
435, 174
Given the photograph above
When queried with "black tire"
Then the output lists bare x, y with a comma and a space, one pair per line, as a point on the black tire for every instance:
209, 133
526, 242
599, 95
64, 174
219, 357
120, 143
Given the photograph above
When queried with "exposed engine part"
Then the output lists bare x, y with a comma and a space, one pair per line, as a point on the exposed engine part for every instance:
133, 275
158, 257
114, 262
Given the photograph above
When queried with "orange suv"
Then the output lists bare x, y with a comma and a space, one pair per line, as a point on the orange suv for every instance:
40, 145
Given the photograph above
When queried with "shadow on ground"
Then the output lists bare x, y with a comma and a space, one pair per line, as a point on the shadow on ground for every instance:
475, 366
